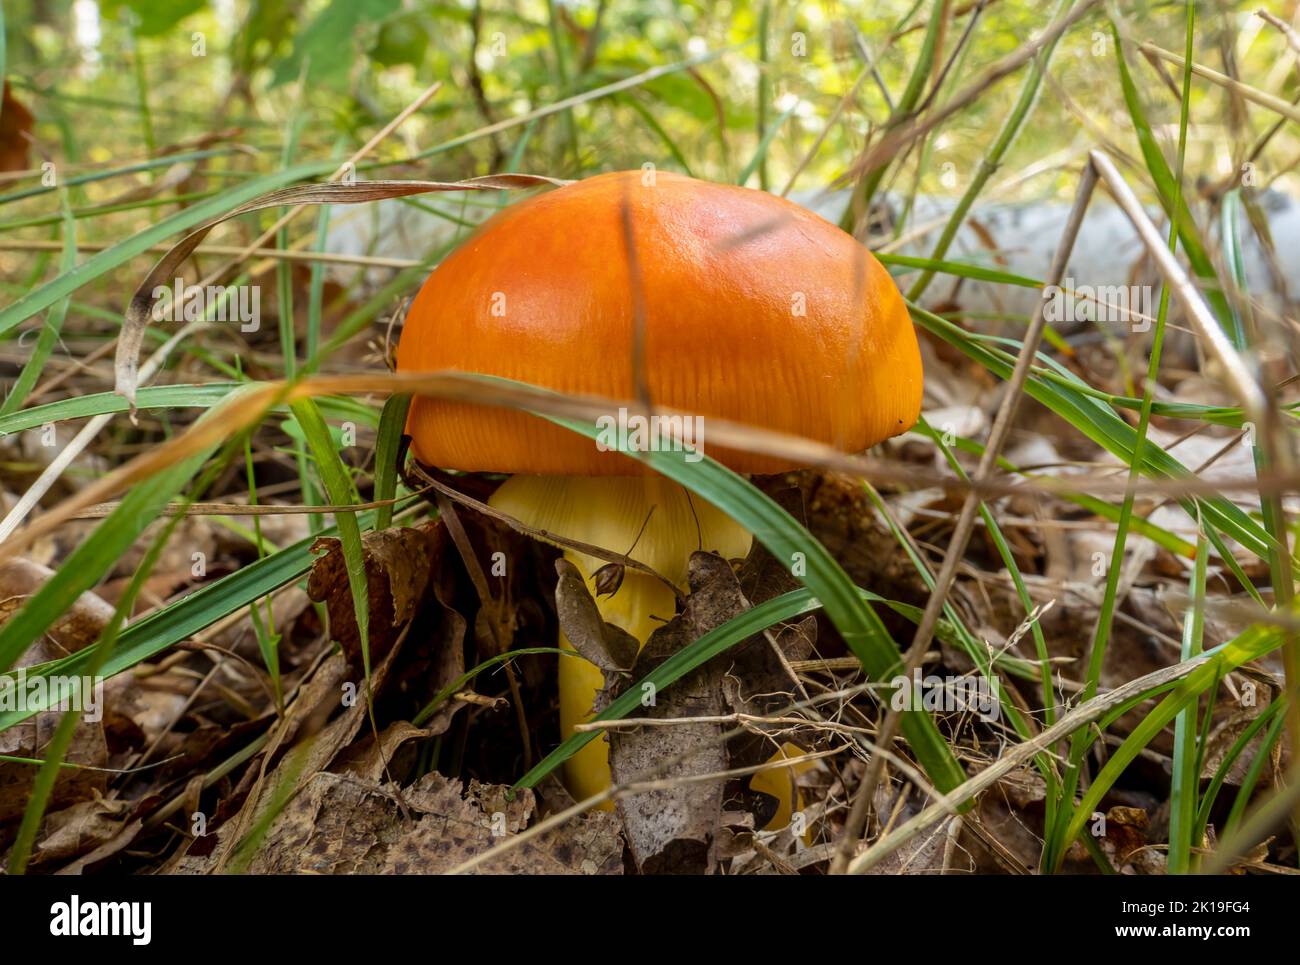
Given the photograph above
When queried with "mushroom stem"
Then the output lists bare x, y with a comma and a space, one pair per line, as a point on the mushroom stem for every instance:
652, 520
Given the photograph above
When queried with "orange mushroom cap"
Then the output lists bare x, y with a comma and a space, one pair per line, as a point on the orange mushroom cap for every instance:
755, 309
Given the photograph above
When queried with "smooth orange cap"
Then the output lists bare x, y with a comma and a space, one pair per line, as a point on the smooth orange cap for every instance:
756, 311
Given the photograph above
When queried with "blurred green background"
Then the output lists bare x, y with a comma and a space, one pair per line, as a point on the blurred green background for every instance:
116, 80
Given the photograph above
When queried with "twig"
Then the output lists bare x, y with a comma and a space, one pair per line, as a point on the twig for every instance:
275, 254
613, 793
1252, 94
1292, 38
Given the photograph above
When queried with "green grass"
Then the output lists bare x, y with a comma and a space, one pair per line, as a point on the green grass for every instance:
651, 94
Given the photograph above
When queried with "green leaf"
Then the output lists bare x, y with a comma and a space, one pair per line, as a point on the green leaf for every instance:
765, 145
166, 397
402, 40
342, 491
1169, 192
328, 43
1185, 782
392, 424
151, 18
1100, 424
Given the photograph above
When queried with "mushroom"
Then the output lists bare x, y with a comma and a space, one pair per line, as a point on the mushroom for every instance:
752, 309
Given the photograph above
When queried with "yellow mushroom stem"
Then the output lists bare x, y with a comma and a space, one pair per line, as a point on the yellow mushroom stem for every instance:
648, 518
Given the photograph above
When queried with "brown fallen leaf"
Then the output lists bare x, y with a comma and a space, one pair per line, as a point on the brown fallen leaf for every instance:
674, 830
368, 760
79, 829
1255, 856
458, 825
15, 133
341, 824
76, 628
28, 740
398, 566
117, 843
609, 647
1125, 841
837, 511
446, 647
921, 855
400, 587
307, 721
1225, 734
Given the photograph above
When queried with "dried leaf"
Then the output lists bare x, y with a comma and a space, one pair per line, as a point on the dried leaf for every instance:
15, 133
367, 760
759, 680
674, 830
1125, 841
920, 855
345, 825
122, 839
305, 721
76, 628
610, 648
398, 566
1221, 739
78, 829
448, 649
457, 826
